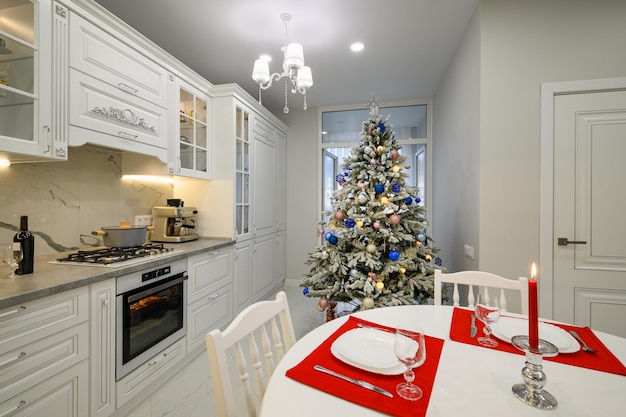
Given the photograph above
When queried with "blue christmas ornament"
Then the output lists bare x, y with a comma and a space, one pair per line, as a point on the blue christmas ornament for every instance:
408, 201
381, 127
421, 237
379, 188
394, 255
327, 236
350, 223
305, 291
396, 188
340, 179
418, 200
333, 240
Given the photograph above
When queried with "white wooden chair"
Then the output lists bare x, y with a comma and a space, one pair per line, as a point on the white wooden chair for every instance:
481, 280
241, 338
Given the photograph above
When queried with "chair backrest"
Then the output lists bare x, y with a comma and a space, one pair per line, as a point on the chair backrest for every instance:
241, 339
483, 281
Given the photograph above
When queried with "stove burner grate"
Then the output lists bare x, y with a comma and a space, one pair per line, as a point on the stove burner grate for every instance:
111, 255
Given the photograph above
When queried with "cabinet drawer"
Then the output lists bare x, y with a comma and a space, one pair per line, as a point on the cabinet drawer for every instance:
33, 363
94, 106
25, 323
64, 395
99, 54
208, 271
213, 311
149, 372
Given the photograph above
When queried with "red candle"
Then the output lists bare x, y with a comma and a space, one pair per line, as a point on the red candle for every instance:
533, 317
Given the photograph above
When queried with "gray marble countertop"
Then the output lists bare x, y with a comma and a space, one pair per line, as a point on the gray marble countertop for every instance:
50, 278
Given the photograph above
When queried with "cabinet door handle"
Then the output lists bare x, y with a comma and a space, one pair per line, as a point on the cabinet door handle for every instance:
127, 88
156, 361
21, 404
126, 135
562, 241
16, 358
214, 296
10, 313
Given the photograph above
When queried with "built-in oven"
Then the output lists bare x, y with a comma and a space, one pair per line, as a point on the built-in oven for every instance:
151, 313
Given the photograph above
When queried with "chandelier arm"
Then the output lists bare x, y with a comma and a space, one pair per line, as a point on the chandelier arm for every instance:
274, 77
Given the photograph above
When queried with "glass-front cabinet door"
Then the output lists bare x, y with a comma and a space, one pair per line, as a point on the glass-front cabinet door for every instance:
242, 173
26, 79
193, 133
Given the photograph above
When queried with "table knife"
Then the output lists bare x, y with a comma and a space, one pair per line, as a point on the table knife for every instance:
473, 328
358, 382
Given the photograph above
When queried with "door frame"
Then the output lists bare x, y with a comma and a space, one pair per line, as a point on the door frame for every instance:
546, 224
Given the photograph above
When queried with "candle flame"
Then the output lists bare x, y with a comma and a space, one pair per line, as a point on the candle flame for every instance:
533, 272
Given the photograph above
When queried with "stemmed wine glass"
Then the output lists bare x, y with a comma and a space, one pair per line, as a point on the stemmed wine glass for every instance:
410, 349
487, 310
11, 255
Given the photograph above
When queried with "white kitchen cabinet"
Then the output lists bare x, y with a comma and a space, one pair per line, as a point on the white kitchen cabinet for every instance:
280, 206
150, 372
63, 395
45, 346
102, 349
281, 258
242, 275
118, 96
264, 267
263, 179
189, 121
31, 113
209, 289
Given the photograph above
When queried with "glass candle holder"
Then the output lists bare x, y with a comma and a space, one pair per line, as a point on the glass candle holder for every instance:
531, 392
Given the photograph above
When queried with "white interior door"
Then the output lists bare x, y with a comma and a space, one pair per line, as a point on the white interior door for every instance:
589, 225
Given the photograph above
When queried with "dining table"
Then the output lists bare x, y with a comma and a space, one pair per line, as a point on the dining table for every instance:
459, 377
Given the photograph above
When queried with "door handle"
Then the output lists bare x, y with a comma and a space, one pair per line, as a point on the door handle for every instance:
562, 241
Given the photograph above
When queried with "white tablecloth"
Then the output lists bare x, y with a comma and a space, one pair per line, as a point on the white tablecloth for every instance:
470, 381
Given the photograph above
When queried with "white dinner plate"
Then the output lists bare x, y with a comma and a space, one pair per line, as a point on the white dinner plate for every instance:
368, 349
507, 327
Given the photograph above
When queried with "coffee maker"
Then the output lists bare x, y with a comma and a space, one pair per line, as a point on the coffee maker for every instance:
174, 222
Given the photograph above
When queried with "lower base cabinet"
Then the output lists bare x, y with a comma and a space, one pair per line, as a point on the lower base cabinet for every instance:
64, 395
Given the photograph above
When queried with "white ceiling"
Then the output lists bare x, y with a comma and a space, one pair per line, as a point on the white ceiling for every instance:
408, 43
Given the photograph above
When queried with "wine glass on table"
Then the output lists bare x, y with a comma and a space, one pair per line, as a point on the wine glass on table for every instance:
410, 349
487, 310
11, 254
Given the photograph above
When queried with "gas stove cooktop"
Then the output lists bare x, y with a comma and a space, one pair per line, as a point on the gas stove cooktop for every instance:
116, 257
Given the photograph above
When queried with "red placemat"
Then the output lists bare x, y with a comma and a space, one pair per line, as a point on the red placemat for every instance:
603, 360
396, 406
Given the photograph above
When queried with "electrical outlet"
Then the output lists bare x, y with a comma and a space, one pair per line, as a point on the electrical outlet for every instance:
143, 220
469, 251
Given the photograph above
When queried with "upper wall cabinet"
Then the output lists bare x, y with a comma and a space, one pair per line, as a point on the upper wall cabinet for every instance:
118, 95
189, 123
31, 125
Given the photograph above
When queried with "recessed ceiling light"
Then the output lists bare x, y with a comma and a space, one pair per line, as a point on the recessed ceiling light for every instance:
357, 47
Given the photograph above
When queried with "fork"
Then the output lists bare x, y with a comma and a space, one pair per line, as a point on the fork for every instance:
582, 342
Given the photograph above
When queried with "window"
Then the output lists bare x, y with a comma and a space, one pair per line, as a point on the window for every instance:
341, 130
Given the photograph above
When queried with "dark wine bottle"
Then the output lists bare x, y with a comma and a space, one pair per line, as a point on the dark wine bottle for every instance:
27, 241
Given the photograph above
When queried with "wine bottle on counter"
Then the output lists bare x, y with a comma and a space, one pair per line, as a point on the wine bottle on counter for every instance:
27, 241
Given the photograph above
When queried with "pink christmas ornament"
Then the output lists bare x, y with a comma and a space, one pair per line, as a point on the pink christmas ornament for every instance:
323, 303
394, 154
394, 219
372, 161
339, 215
376, 225
371, 275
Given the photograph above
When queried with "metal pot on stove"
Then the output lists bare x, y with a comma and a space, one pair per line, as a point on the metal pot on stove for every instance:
122, 236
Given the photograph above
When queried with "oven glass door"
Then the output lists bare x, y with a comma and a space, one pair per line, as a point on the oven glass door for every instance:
151, 314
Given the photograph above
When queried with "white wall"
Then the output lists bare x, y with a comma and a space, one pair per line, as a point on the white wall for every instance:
524, 44
302, 182
456, 132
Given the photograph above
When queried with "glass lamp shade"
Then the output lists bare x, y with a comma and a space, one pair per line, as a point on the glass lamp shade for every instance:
305, 78
261, 71
294, 56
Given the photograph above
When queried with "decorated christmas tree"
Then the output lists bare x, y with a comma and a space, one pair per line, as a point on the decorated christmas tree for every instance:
376, 250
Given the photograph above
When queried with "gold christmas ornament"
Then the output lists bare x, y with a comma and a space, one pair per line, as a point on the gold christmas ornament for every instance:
418, 244
396, 168
384, 200
371, 248
380, 150
368, 302
380, 285
428, 258
402, 270
359, 223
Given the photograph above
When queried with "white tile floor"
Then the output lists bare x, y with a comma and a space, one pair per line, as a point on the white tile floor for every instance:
190, 393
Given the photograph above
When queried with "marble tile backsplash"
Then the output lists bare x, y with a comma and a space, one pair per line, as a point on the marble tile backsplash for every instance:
66, 201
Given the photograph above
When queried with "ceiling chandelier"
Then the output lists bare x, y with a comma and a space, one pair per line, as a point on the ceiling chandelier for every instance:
294, 70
